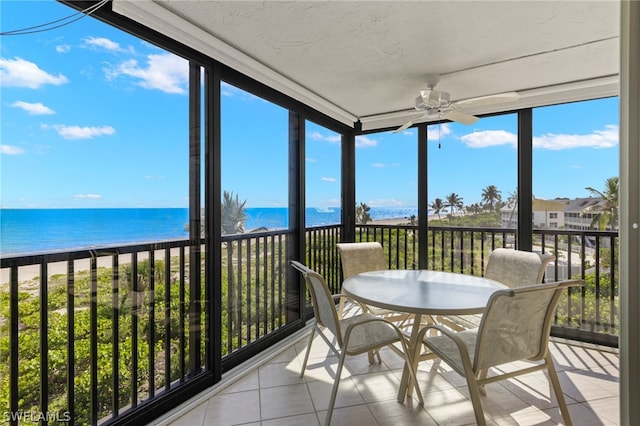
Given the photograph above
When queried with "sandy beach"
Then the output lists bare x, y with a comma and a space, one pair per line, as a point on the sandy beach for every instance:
33, 271
26, 273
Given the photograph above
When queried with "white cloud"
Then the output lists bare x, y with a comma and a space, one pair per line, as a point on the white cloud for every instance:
364, 141
606, 138
437, 132
33, 108
77, 132
87, 196
332, 138
166, 72
310, 160
63, 48
10, 150
384, 165
20, 73
328, 179
487, 138
104, 43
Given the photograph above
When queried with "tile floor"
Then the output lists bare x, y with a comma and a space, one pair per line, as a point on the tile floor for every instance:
271, 392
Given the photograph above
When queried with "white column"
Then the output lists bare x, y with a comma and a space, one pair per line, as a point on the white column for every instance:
629, 213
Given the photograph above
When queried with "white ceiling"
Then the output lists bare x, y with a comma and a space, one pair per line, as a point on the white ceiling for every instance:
367, 60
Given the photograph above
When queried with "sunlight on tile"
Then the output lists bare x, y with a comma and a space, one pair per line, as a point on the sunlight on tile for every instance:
275, 394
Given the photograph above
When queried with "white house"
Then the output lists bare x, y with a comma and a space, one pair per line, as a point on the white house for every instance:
547, 214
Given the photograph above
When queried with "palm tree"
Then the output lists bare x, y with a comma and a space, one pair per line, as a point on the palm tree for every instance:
512, 201
607, 216
233, 220
454, 202
437, 206
491, 196
475, 209
233, 214
362, 214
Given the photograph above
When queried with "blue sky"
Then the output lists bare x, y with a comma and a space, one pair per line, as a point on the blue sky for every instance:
93, 117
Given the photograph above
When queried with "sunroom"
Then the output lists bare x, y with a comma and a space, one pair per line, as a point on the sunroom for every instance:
326, 81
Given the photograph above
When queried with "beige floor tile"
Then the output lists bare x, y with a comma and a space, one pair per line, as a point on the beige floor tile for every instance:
581, 415
449, 407
285, 401
395, 413
534, 390
303, 419
583, 385
234, 408
349, 416
280, 374
375, 387
527, 416
193, 417
287, 355
498, 401
347, 395
244, 383
274, 394
606, 408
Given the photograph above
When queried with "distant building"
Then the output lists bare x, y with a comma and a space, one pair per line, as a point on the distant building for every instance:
580, 213
547, 214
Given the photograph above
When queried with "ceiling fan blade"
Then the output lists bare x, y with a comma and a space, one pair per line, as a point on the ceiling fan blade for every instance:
459, 117
403, 127
487, 100
409, 123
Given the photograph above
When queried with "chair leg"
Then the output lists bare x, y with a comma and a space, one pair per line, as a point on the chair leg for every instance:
555, 383
306, 355
334, 390
483, 375
474, 392
376, 354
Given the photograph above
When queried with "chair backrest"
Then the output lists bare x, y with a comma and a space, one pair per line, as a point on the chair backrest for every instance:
516, 323
361, 257
324, 307
515, 268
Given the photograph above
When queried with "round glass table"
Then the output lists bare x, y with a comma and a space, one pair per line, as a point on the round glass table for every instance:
422, 293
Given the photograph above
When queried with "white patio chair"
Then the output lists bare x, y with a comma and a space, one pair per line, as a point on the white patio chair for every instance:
353, 336
515, 326
513, 268
364, 257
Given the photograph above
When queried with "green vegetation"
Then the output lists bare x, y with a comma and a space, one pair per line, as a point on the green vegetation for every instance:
607, 218
132, 310
362, 213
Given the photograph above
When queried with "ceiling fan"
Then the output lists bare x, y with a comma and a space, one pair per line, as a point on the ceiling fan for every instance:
437, 104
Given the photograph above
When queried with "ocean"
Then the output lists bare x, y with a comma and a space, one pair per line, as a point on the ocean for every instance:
25, 231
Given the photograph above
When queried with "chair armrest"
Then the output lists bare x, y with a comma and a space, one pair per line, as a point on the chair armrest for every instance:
462, 347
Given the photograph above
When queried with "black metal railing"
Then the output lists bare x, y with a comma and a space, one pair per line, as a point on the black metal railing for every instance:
589, 314
90, 336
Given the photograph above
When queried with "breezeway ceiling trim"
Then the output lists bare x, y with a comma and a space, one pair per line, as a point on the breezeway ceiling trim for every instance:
156, 16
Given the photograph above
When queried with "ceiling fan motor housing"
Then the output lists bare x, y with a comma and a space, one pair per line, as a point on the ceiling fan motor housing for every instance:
430, 99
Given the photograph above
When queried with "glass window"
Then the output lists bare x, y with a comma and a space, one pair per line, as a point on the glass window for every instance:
323, 178
387, 177
255, 162
472, 172
575, 155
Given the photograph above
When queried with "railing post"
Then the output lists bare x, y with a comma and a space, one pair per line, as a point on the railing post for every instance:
295, 299
524, 233
423, 198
